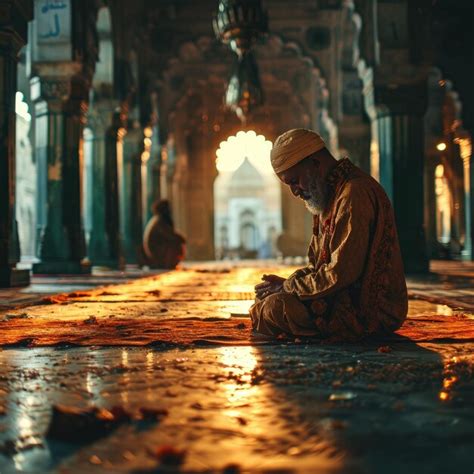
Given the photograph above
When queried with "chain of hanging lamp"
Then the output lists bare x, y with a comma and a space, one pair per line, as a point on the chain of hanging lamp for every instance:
240, 24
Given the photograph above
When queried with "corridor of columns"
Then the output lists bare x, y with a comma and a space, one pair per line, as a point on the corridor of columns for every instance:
108, 106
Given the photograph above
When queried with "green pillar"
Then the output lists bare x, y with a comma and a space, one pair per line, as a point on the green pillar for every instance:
154, 177
432, 160
105, 246
397, 161
465, 147
58, 144
97, 250
151, 162
12, 38
471, 203
132, 195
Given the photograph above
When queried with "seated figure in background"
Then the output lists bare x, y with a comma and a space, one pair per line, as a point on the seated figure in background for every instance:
354, 284
162, 246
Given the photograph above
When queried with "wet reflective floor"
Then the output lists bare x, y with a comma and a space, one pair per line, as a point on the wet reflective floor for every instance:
277, 409
290, 408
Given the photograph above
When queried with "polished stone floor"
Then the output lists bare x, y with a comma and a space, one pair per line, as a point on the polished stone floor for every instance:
284, 408
293, 408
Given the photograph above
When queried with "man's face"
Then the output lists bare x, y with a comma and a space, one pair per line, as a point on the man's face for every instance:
305, 182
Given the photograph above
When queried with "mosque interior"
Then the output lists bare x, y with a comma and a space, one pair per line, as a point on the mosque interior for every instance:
106, 106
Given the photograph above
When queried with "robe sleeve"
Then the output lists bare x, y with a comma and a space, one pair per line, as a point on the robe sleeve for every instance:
301, 272
348, 248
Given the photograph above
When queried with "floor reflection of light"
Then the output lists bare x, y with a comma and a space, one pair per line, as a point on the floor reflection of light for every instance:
422, 307
176, 278
23, 417
26, 403
239, 308
449, 379
240, 362
241, 288
94, 382
125, 379
89, 384
444, 310
150, 358
124, 357
253, 407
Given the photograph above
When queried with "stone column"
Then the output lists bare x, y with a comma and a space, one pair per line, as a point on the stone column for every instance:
353, 127
432, 161
153, 174
433, 135
132, 196
114, 180
397, 160
147, 174
167, 169
354, 141
465, 146
192, 195
105, 246
75, 110
14, 15
60, 117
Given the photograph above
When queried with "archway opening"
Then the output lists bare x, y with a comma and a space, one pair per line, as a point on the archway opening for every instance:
26, 185
443, 207
88, 183
247, 199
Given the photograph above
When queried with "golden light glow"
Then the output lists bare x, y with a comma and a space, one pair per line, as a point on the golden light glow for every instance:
444, 310
235, 149
148, 132
443, 396
449, 381
439, 171
21, 107
444, 201
441, 146
239, 388
465, 145
124, 379
149, 374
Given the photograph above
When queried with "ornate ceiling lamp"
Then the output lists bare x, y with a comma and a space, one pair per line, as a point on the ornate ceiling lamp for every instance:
240, 23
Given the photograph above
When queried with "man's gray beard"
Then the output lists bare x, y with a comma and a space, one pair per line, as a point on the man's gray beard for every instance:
318, 192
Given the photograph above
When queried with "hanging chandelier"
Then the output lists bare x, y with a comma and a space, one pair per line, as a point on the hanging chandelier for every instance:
240, 23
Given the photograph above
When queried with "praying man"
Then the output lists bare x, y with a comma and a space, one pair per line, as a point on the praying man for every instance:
354, 285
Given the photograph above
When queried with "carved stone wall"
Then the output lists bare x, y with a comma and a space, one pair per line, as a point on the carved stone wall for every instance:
355, 70
191, 92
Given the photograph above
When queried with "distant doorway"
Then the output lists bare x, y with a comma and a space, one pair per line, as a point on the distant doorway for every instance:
444, 203
26, 181
247, 199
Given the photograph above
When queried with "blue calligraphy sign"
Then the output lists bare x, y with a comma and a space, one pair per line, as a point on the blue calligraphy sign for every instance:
53, 18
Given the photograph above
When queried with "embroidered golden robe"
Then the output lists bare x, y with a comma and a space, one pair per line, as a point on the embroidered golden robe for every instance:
354, 285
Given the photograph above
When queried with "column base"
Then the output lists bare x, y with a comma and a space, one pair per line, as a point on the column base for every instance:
466, 255
62, 268
108, 264
12, 277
